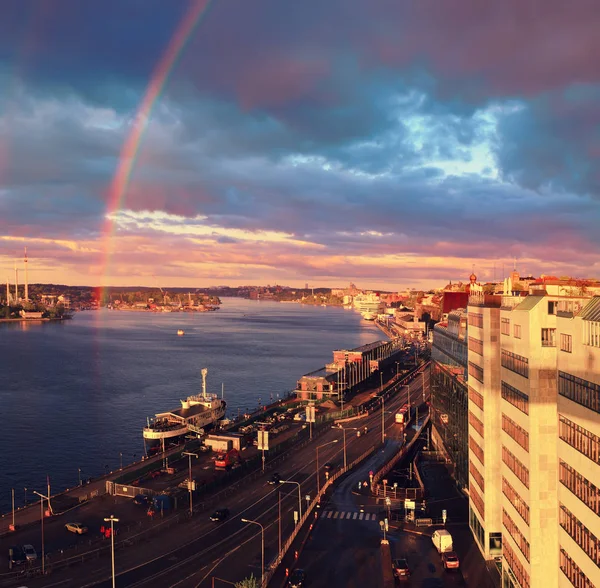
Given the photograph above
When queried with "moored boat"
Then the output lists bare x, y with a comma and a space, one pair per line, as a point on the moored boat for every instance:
197, 413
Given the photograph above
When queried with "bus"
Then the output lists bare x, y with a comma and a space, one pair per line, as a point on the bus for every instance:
402, 415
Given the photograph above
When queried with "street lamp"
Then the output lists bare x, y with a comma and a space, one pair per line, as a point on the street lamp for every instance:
382, 419
262, 532
221, 580
79, 474
112, 520
299, 493
42, 496
344, 436
319, 447
190, 455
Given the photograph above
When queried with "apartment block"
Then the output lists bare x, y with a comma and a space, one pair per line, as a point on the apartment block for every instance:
534, 435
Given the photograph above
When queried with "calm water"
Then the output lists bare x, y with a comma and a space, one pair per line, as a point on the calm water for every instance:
76, 394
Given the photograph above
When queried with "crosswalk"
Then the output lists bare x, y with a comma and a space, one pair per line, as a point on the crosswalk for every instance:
349, 515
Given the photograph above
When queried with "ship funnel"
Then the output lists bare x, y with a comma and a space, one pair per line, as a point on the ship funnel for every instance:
204, 372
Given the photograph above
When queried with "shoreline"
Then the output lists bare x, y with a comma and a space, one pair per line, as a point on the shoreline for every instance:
32, 320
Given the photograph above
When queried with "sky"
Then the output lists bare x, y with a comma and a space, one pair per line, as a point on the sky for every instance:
391, 143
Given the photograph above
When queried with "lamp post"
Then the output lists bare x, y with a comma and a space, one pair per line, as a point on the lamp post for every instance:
112, 520
79, 475
221, 580
344, 439
262, 533
190, 455
397, 368
42, 496
319, 447
380, 381
121, 460
299, 494
382, 419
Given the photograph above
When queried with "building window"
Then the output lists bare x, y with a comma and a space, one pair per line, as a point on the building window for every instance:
548, 337
476, 424
516, 534
515, 565
552, 307
517, 331
566, 343
515, 397
475, 319
587, 492
573, 571
476, 449
515, 466
476, 345
478, 531
515, 432
477, 501
579, 438
591, 333
476, 371
505, 326
520, 505
476, 397
515, 363
580, 534
476, 475
581, 391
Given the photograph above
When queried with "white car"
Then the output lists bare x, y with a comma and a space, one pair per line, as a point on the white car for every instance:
30, 552
78, 528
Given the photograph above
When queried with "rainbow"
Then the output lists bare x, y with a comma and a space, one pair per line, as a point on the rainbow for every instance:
131, 146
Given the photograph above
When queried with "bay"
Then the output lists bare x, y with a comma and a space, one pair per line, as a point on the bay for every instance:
76, 394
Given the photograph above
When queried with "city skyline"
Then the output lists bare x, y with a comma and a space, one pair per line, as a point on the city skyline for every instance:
211, 143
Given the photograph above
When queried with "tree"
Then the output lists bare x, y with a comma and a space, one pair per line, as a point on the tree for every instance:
250, 582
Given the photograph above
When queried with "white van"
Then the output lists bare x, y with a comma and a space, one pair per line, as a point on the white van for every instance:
442, 540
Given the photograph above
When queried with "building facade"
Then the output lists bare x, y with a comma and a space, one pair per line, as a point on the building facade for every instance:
449, 395
534, 436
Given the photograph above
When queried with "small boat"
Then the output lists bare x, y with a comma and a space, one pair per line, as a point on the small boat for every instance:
180, 332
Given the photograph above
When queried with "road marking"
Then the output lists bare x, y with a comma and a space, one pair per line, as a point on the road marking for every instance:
336, 514
355, 515
360, 516
328, 514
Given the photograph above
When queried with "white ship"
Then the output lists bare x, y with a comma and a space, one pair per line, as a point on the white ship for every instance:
370, 303
196, 413
369, 316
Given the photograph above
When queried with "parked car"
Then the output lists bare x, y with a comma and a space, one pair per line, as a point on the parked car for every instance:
275, 479
401, 569
297, 579
219, 515
16, 556
30, 552
78, 528
450, 560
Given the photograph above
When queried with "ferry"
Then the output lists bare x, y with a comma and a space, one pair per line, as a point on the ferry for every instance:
196, 413
370, 302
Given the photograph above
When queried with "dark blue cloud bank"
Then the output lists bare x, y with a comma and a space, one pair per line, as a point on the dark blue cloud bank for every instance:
392, 143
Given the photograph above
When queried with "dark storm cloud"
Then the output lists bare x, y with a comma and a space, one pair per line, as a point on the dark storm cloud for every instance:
339, 122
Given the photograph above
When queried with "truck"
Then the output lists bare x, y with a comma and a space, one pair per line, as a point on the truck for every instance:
442, 541
227, 459
402, 415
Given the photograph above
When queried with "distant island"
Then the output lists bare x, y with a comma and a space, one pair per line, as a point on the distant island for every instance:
58, 302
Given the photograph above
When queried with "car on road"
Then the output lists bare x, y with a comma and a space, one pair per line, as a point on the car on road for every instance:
450, 560
401, 569
16, 557
30, 552
78, 528
275, 479
219, 515
329, 466
297, 579
141, 500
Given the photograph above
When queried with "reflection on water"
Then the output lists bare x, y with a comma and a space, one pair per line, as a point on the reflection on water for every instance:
76, 393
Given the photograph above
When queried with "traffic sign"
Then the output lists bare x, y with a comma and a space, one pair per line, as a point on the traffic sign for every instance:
444, 515
409, 504
263, 440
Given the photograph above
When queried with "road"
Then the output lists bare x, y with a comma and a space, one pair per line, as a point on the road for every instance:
190, 553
